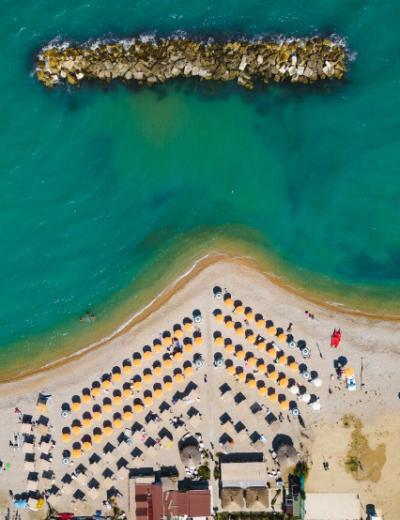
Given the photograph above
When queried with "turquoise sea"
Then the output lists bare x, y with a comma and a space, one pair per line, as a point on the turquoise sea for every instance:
102, 186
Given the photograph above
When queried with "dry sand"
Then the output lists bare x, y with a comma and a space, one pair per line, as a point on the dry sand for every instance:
368, 343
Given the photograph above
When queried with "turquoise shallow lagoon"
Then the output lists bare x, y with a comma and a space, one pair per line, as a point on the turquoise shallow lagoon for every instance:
100, 186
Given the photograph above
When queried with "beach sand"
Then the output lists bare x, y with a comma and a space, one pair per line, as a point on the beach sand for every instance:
370, 345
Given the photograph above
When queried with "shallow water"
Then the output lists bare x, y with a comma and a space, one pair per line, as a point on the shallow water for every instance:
97, 184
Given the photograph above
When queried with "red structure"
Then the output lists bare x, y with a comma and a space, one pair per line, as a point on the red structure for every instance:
152, 503
335, 338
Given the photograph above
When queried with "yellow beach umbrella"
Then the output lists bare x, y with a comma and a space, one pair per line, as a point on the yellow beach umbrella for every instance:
66, 437
126, 393
273, 397
198, 341
271, 330
107, 407
228, 301
147, 354
239, 330
281, 337
41, 407
188, 326
178, 333
251, 362
283, 382
138, 408
86, 445
251, 383
349, 371
107, 430
230, 348
137, 362
157, 348
262, 390
76, 429
137, 385
97, 415
97, 437
241, 377
148, 400
284, 405
282, 360
127, 369
179, 377
240, 354
273, 376
117, 422
86, 421
157, 370
261, 346
96, 391
167, 340
251, 338
260, 323
117, 400
178, 356
219, 317
75, 406
218, 341
148, 377
229, 324
106, 384
262, 367
158, 393
230, 369
116, 376
128, 415
86, 398
168, 362
76, 453
294, 367
168, 385
239, 309
188, 347
249, 314
271, 352
188, 370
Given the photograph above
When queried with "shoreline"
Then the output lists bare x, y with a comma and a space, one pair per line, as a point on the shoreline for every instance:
197, 267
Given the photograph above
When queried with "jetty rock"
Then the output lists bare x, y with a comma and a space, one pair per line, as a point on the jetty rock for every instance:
146, 62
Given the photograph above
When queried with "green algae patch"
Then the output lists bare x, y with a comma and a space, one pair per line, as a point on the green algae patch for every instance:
363, 462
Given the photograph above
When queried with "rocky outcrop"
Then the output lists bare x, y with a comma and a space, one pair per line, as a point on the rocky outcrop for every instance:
147, 62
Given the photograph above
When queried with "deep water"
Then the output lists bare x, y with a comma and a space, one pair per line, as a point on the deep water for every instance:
97, 183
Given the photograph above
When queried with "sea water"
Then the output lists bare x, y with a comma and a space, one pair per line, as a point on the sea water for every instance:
102, 186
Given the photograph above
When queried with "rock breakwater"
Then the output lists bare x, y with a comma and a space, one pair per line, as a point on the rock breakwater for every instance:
147, 62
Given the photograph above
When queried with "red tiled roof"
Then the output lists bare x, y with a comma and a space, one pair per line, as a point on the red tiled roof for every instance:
148, 498
192, 503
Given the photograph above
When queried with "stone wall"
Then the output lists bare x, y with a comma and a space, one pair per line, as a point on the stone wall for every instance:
147, 62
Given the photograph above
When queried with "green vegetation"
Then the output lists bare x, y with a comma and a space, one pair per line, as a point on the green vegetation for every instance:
217, 472
301, 469
204, 472
353, 464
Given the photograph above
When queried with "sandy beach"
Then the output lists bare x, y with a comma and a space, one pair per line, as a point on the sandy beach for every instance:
349, 424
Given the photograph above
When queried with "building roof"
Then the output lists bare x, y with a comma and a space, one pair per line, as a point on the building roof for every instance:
194, 503
332, 506
243, 474
148, 498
